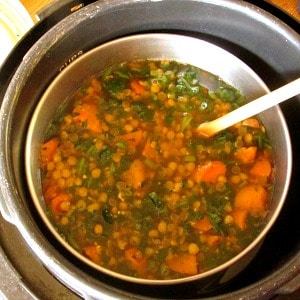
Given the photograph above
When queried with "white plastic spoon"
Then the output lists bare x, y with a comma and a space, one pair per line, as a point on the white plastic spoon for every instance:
209, 129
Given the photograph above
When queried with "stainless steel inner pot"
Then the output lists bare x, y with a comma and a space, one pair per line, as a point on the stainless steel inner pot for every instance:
197, 52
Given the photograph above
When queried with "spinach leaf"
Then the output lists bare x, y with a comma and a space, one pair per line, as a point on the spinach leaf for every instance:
115, 85
82, 165
216, 220
169, 117
186, 120
142, 111
105, 156
158, 203
187, 82
107, 216
262, 141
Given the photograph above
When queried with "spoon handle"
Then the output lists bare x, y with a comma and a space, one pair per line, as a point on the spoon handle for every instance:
250, 109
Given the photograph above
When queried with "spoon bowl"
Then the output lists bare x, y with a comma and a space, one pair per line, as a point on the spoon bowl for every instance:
209, 129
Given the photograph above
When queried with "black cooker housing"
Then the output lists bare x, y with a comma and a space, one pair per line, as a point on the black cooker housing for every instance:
263, 36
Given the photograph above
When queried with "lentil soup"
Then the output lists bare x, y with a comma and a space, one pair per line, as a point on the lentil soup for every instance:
131, 186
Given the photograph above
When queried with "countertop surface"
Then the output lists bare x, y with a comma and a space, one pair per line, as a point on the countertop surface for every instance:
290, 6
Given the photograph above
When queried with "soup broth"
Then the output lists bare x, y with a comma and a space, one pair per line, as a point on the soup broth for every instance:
130, 184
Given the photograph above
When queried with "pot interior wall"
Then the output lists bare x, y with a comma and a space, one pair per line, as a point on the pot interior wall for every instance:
224, 23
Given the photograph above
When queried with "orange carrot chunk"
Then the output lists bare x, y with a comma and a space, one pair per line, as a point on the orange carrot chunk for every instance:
56, 203
137, 87
92, 252
239, 218
184, 264
87, 113
252, 197
209, 172
202, 225
213, 240
136, 259
261, 168
246, 154
47, 151
150, 153
136, 174
132, 138
51, 191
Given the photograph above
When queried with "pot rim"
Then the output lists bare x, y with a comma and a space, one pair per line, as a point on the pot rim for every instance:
184, 44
